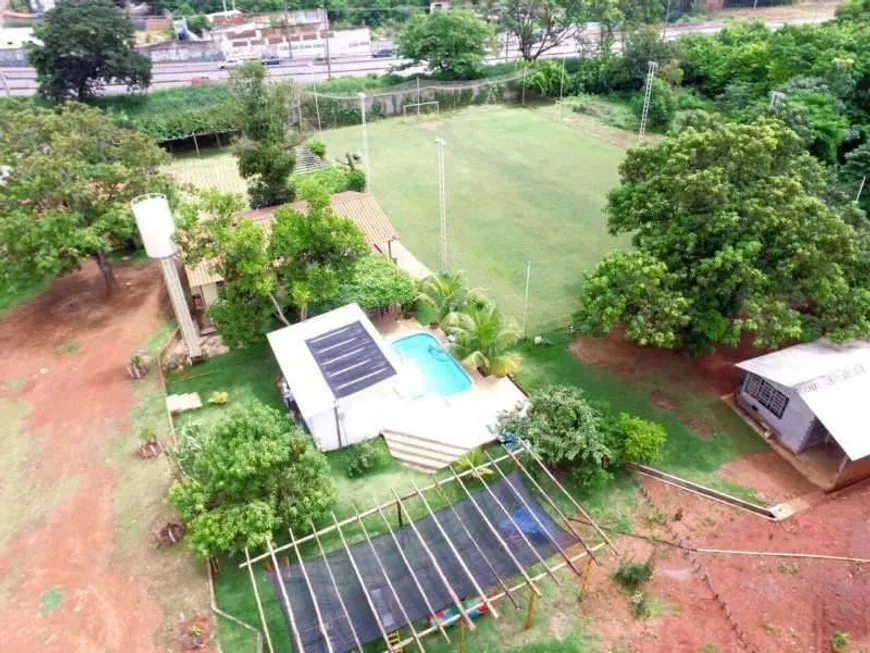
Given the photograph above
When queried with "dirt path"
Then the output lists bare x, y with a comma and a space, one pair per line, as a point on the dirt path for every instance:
77, 567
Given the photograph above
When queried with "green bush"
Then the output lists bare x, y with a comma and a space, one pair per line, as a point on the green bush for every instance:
318, 148
356, 180
632, 575
662, 106
839, 642
642, 440
366, 458
641, 605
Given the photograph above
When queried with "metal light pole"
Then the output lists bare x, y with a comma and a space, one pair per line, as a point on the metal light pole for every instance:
418, 96
861, 189
526, 300
442, 202
562, 84
328, 61
365, 141
653, 67
667, 17
317, 109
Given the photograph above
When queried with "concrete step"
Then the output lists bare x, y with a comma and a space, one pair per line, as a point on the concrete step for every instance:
420, 453
429, 444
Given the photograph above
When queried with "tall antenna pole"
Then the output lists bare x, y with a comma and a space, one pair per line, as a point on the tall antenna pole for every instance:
317, 109
328, 60
442, 202
365, 141
526, 300
653, 66
861, 189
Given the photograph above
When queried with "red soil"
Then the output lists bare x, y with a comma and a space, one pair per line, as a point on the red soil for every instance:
77, 400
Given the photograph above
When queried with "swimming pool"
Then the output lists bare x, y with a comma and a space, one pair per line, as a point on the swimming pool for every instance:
441, 373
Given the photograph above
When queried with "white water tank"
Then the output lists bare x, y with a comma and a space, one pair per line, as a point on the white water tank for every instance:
154, 219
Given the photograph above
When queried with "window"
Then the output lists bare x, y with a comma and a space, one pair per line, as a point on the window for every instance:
768, 396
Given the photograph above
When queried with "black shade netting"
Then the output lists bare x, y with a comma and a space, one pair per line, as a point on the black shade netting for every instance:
539, 529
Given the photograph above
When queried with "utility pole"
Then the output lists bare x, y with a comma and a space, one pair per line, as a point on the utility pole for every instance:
442, 202
653, 67
526, 300
667, 18
287, 32
365, 141
328, 61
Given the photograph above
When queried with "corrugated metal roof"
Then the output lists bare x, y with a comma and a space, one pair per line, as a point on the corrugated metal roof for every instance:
833, 380
361, 208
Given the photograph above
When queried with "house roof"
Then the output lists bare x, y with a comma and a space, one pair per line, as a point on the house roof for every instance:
361, 208
833, 380
332, 356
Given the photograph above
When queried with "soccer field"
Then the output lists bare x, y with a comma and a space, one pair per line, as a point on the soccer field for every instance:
521, 185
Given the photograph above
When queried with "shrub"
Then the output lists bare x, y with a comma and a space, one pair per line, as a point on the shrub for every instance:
642, 440
356, 180
632, 575
218, 398
367, 457
475, 460
376, 282
839, 642
662, 106
641, 605
318, 148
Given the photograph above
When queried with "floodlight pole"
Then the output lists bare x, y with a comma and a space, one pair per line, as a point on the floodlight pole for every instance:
418, 97
442, 202
562, 83
317, 110
526, 299
328, 62
365, 141
647, 96
861, 189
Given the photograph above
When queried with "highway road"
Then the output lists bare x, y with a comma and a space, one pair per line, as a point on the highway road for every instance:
22, 81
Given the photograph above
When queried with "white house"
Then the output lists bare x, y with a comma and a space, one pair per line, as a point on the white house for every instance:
814, 398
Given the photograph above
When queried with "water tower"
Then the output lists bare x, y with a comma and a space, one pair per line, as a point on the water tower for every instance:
154, 219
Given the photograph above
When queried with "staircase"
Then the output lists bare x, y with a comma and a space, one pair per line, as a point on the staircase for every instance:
306, 161
419, 453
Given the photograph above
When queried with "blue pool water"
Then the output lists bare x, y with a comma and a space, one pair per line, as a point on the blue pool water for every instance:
440, 371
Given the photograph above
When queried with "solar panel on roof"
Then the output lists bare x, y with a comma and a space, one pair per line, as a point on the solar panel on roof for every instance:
349, 359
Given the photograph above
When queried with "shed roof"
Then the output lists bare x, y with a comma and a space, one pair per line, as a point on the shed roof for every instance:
332, 356
361, 208
833, 380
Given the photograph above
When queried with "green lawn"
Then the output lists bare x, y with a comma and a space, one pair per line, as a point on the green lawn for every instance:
521, 185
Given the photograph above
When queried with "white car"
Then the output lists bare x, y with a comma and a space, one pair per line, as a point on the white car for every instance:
232, 62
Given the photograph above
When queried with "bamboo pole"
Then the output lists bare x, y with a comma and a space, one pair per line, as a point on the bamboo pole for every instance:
494, 531
227, 615
534, 515
477, 548
573, 501
356, 639
389, 582
552, 504
456, 554
530, 612
780, 554
499, 595
411, 572
296, 637
367, 513
259, 603
320, 625
365, 590
518, 529
437, 567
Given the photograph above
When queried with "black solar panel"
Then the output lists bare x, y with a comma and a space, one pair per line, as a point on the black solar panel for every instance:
349, 359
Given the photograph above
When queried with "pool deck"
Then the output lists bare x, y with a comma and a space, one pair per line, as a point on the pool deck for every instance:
430, 431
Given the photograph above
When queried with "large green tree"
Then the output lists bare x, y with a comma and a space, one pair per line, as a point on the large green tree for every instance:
70, 174
453, 43
84, 45
265, 150
541, 25
735, 233
247, 479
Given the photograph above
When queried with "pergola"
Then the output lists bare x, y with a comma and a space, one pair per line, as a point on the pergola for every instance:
342, 600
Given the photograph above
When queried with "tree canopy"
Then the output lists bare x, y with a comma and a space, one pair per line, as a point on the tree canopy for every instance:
454, 43
736, 231
70, 175
541, 25
84, 45
251, 476
377, 282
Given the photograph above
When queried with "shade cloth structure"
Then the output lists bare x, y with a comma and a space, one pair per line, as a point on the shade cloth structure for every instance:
540, 531
342, 375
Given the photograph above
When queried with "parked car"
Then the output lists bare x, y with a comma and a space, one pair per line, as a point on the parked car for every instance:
384, 52
201, 79
271, 61
232, 62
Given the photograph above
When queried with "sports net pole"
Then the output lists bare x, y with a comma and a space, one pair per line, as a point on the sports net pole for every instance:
317, 110
526, 300
365, 141
442, 203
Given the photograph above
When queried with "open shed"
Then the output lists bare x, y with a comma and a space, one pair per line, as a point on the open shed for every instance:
811, 399
342, 375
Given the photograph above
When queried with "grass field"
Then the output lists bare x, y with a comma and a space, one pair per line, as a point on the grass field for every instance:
521, 185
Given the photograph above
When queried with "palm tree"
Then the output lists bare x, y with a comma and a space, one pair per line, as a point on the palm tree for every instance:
484, 338
445, 293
